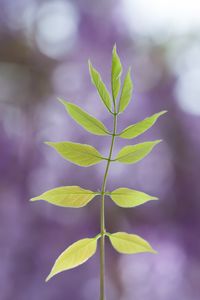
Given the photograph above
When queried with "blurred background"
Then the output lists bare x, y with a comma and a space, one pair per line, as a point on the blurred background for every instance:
44, 48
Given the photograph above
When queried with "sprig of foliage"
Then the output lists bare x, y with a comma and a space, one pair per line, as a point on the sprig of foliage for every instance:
86, 155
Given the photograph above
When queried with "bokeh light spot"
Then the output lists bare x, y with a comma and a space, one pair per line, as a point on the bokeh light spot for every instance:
160, 19
56, 28
188, 91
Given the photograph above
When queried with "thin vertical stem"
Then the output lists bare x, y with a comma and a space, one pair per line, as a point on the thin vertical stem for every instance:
103, 228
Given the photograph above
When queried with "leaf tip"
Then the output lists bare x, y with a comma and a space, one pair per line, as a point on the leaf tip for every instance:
89, 63
128, 76
90, 67
154, 251
48, 277
36, 198
158, 142
114, 48
33, 199
61, 100
163, 112
48, 143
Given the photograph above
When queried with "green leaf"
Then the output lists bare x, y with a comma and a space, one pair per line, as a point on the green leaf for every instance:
129, 243
134, 130
88, 122
100, 86
126, 93
115, 73
125, 197
133, 154
79, 154
67, 196
74, 255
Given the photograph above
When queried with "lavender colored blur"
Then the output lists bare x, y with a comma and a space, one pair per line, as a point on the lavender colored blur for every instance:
44, 48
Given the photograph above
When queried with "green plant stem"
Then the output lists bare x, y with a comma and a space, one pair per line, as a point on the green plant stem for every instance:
103, 228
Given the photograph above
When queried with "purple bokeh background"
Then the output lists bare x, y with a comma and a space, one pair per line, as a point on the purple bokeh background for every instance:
44, 48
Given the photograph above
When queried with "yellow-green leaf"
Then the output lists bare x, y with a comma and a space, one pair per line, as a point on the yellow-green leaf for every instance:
133, 154
126, 93
100, 86
79, 154
116, 71
125, 197
67, 196
129, 243
134, 130
74, 255
87, 121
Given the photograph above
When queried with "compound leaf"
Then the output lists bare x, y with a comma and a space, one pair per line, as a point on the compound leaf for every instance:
133, 154
125, 197
74, 255
116, 71
79, 154
126, 93
134, 130
87, 121
129, 243
100, 86
67, 196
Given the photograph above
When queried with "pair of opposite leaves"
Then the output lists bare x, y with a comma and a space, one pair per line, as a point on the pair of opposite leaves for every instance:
86, 155
82, 250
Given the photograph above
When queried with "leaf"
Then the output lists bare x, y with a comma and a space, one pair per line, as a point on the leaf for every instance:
74, 255
129, 243
79, 154
126, 93
115, 73
125, 197
88, 122
100, 86
133, 154
67, 196
134, 130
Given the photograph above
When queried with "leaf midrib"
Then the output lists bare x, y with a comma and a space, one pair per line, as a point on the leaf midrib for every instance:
128, 241
95, 121
129, 154
85, 152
